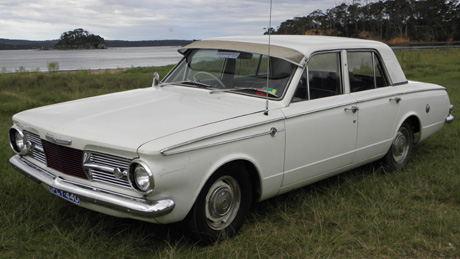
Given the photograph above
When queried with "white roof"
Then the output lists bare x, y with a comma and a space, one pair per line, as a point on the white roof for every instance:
296, 48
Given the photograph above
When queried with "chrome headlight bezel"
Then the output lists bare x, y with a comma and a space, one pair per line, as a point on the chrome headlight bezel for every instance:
138, 175
18, 141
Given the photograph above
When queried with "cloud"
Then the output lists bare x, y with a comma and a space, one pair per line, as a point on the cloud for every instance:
146, 19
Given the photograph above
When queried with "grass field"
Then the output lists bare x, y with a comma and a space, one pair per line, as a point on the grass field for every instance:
367, 212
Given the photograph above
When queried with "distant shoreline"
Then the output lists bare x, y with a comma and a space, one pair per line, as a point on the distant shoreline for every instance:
7, 44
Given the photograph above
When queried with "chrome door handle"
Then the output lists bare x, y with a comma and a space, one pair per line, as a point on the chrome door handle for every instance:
396, 99
354, 109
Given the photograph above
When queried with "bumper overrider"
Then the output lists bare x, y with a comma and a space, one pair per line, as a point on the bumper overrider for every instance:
450, 118
127, 205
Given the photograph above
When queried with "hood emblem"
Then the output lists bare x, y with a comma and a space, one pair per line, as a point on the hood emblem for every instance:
59, 141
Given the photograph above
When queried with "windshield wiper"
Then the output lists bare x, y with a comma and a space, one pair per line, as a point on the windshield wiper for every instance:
257, 90
194, 83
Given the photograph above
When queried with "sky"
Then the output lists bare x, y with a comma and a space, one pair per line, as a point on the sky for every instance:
148, 19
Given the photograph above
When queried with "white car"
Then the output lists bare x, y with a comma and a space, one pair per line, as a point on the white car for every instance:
235, 122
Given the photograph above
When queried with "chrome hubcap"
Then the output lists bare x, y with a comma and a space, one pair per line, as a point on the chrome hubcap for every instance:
222, 202
401, 145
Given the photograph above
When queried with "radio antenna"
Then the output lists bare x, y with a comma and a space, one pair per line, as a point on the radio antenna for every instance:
268, 63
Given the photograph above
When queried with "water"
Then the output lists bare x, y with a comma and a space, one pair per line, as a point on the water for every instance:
38, 60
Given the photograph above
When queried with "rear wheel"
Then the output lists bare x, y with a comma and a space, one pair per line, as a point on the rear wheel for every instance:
222, 205
400, 151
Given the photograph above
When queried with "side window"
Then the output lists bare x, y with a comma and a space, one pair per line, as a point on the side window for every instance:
324, 78
365, 71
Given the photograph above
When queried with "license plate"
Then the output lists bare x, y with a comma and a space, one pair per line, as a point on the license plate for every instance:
66, 195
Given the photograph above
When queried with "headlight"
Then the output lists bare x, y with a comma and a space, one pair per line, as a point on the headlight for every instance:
140, 177
18, 141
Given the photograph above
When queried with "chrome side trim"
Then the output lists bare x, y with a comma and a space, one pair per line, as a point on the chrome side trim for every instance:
399, 93
424, 90
319, 110
167, 151
59, 141
377, 98
132, 206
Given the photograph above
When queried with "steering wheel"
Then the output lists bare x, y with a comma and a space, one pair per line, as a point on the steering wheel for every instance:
211, 76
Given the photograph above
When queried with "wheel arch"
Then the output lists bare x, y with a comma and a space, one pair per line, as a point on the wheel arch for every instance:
415, 122
253, 174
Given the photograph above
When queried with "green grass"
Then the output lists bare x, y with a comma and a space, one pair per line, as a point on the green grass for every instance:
366, 212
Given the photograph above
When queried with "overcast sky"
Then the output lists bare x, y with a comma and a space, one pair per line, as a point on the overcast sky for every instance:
148, 19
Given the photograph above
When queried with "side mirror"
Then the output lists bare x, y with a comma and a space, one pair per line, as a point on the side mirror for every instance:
156, 79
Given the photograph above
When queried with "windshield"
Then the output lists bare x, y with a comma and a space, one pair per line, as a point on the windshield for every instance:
233, 71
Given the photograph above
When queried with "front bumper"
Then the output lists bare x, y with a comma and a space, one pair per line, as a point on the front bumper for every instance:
124, 204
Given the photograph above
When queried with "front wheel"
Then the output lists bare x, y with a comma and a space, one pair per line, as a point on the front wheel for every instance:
222, 205
400, 151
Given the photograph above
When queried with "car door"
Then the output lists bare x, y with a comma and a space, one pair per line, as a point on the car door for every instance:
378, 104
320, 124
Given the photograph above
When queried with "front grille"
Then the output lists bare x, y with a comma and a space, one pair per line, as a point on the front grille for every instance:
64, 159
106, 165
70, 161
37, 151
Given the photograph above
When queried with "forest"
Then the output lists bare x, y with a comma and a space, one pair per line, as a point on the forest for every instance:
407, 20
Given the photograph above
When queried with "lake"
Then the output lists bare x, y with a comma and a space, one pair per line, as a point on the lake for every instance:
38, 60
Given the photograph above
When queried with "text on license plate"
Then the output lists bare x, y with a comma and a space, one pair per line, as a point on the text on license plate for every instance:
66, 195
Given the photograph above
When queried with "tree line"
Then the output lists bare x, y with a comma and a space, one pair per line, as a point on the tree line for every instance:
415, 20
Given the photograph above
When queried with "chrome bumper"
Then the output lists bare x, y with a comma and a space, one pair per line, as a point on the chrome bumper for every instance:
450, 118
115, 201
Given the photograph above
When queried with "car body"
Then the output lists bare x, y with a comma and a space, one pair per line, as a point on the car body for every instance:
237, 121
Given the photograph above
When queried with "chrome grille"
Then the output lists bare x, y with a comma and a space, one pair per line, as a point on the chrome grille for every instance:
101, 167
37, 151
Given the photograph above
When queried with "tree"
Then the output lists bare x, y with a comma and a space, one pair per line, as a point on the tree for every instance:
80, 39
415, 20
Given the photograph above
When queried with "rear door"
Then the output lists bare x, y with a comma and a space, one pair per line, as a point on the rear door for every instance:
378, 104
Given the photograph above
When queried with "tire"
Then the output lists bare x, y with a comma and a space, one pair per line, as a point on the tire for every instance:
400, 151
222, 205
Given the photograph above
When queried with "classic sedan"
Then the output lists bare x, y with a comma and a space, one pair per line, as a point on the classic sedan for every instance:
236, 121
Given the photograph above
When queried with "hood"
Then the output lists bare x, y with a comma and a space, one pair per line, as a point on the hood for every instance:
128, 119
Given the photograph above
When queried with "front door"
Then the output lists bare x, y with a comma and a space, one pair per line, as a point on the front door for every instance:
321, 124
